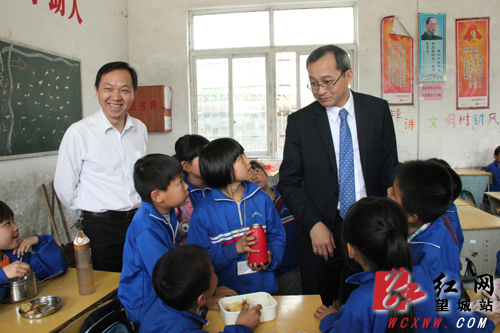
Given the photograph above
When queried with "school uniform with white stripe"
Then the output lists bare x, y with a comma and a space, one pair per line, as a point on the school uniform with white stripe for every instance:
434, 247
218, 222
149, 237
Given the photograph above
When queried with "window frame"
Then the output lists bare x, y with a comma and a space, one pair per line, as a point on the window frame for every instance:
269, 53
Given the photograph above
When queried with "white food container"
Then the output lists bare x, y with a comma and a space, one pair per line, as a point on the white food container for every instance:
267, 313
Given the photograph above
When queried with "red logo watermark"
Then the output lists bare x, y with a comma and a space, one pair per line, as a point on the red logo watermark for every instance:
393, 290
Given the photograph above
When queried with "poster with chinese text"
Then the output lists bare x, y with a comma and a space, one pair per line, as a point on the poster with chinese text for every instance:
396, 62
432, 41
473, 63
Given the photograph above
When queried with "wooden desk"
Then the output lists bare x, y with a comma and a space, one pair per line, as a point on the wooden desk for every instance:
475, 181
460, 202
481, 238
494, 201
73, 307
294, 314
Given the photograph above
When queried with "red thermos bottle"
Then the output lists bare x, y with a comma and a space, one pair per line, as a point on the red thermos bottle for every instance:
261, 256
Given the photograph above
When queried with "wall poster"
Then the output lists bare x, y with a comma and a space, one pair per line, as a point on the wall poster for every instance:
473, 63
432, 41
396, 47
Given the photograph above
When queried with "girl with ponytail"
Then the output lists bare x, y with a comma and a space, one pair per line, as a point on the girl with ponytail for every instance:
374, 234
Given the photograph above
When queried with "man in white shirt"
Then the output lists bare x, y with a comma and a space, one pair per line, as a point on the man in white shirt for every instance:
94, 173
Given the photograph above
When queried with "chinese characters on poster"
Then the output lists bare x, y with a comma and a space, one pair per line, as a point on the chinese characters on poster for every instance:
472, 48
432, 37
396, 62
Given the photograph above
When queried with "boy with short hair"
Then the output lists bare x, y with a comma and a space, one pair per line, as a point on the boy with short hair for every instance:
423, 189
184, 279
452, 211
158, 180
494, 168
39, 253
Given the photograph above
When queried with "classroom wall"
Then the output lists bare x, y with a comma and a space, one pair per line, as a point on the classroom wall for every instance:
102, 37
159, 47
153, 36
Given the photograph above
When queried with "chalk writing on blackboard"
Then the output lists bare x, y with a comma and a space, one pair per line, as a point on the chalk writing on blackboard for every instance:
40, 97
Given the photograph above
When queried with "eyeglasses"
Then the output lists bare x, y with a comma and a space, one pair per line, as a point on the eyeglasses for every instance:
327, 85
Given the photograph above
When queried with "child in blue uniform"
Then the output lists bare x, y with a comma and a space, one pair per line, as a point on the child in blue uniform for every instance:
158, 180
374, 234
423, 189
184, 279
494, 168
187, 151
17, 259
221, 221
452, 211
288, 273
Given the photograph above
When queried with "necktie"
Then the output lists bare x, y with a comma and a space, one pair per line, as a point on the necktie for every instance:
346, 170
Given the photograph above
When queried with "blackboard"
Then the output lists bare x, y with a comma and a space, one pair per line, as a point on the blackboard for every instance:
40, 97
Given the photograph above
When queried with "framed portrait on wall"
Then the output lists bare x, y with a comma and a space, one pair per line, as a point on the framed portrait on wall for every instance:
432, 42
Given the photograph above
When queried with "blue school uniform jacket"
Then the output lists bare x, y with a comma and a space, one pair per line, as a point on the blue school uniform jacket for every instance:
290, 261
149, 237
196, 193
452, 214
217, 224
494, 168
435, 248
45, 259
357, 314
163, 319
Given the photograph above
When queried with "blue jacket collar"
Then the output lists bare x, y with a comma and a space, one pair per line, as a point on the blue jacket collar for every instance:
191, 316
250, 190
361, 278
278, 194
192, 188
153, 211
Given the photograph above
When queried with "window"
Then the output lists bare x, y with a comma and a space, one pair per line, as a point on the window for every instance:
248, 69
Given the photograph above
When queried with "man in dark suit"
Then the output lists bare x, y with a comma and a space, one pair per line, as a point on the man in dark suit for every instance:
309, 176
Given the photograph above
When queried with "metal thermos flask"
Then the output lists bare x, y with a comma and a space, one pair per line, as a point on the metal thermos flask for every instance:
261, 256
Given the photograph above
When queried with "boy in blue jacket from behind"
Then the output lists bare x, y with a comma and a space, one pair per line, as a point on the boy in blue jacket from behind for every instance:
17, 259
184, 279
452, 211
423, 189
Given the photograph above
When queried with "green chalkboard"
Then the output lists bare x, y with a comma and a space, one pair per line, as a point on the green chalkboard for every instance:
40, 97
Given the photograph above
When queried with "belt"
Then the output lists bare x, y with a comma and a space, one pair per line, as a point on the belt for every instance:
111, 214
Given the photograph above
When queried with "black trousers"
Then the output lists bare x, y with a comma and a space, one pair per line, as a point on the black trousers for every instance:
328, 280
107, 238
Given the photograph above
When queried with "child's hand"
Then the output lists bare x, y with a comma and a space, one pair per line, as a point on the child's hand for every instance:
263, 267
243, 245
24, 245
16, 269
324, 311
213, 302
250, 318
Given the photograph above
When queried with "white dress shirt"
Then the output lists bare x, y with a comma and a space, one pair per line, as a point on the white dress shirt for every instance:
96, 164
334, 120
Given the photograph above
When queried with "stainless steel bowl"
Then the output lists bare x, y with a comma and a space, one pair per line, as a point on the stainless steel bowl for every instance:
21, 288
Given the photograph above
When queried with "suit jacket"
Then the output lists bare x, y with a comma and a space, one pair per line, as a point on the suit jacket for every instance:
309, 157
